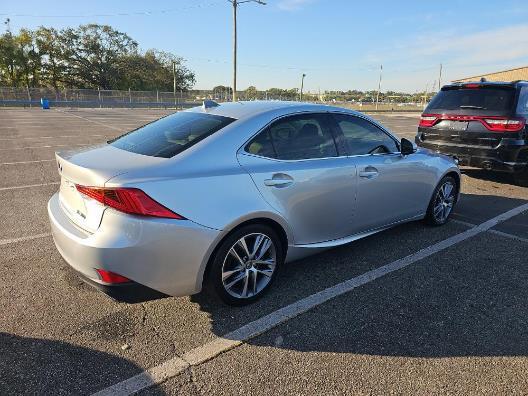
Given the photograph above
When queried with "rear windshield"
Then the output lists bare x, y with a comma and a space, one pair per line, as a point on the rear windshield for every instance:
499, 99
171, 135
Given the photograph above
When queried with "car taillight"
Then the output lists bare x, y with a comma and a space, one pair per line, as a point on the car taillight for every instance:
504, 124
128, 200
428, 120
111, 277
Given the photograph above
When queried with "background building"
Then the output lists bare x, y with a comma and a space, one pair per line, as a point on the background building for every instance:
519, 73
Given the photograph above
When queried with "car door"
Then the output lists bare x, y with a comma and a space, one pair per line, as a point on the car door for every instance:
391, 187
299, 170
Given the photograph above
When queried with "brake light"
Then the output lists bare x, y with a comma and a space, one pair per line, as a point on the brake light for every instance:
129, 200
428, 120
504, 125
471, 86
111, 277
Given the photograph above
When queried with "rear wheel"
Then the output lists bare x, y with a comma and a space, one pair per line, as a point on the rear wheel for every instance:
442, 202
521, 178
245, 264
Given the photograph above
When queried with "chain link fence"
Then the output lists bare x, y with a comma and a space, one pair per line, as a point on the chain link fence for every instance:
95, 98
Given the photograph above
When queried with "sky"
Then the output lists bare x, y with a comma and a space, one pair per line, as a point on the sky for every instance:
338, 44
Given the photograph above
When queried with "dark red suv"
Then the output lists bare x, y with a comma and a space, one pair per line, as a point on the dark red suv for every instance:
482, 124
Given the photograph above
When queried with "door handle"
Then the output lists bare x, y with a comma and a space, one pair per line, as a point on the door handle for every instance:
369, 173
279, 180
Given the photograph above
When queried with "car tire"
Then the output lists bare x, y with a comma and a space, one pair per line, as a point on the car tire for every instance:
245, 264
441, 206
520, 178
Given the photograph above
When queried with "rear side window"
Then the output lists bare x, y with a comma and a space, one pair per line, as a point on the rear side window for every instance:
297, 137
302, 137
261, 145
363, 137
522, 104
499, 99
171, 135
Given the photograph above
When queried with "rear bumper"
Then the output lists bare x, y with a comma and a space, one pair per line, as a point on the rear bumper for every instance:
130, 292
510, 155
165, 255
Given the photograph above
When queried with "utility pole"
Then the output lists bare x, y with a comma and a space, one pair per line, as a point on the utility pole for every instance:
235, 4
302, 86
440, 78
379, 87
174, 80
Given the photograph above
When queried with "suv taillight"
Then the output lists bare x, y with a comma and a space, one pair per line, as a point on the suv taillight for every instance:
504, 124
128, 200
495, 124
428, 120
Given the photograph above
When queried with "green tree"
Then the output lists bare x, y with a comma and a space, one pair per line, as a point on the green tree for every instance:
96, 50
54, 57
251, 93
8, 67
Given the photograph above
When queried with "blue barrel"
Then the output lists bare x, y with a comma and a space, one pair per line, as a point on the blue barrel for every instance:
44, 103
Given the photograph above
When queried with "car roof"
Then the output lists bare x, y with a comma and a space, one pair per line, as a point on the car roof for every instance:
489, 83
247, 109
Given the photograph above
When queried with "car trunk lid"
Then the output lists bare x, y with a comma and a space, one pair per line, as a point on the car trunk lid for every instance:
93, 167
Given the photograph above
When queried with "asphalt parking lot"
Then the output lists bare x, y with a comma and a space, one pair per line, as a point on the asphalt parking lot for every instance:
414, 309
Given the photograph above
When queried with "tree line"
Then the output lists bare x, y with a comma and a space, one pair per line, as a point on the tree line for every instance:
88, 56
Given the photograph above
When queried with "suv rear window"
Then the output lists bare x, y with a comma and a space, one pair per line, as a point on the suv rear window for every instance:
171, 135
498, 99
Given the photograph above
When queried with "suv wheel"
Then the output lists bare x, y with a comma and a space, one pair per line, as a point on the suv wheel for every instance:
246, 264
442, 202
521, 178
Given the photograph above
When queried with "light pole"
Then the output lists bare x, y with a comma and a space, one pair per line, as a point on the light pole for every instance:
379, 87
302, 86
174, 80
235, 5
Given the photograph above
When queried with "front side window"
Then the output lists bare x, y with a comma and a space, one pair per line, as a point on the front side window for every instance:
363, 137
171, 135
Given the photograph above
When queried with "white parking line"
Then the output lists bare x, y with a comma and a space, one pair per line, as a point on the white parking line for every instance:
511, 236
201, 354
90, 120
496, 232
27, 186
22, 239
25, 162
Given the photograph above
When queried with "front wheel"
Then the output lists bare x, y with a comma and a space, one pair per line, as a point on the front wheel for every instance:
442, 202
245, 264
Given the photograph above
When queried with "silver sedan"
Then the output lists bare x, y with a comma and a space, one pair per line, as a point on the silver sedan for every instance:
221, 196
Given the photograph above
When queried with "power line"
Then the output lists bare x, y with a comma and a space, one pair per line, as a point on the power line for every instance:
119, 14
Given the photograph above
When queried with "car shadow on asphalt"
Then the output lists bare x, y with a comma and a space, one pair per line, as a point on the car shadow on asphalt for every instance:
469, 300
37, 366
497, 177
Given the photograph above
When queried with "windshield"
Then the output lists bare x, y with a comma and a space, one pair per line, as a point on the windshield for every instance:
171, 135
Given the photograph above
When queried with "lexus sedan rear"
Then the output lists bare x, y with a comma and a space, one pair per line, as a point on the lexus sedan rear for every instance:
221, 196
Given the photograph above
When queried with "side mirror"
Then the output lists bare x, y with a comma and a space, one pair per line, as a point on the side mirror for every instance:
407, 147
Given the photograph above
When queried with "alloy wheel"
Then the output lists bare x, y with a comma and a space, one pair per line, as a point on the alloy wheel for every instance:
444, 201
249, 265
